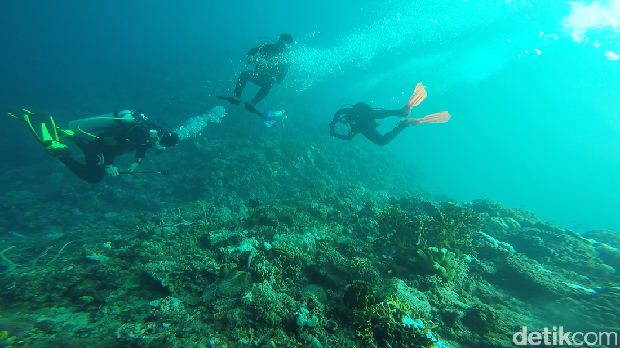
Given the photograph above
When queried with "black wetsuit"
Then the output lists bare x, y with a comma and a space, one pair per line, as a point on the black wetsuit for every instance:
101, 152
265, 75
361, 119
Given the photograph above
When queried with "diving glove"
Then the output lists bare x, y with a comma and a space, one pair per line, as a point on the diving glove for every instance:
133, 166
111, 170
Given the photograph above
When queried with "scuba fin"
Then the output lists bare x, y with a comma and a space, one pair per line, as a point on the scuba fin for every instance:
440, 117
44, 130
251, 108
274, 116
237, 101
418, 96
231, 100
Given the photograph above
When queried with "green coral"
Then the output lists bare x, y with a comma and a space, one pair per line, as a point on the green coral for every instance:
453, 227
440, 261
391, 323
395, 220
399, 231
359, 296
450, 227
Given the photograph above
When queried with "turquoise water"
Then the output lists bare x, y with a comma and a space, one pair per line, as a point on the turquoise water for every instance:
532, 85
272, 226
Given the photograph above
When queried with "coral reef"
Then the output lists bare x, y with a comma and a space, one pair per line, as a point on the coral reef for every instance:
271, 242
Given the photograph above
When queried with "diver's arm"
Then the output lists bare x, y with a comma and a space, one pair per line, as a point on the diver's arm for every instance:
108, 158
135, 165
108, 165
338, 118
253, 51
256, 55
140, 153
283, 70
338, 114
349, 136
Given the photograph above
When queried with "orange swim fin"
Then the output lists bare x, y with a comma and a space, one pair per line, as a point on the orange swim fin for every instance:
440, 117
418, 96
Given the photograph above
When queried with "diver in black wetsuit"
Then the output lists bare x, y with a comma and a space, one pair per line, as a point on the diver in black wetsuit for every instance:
108, 136
361, 118
121, 138
271, 66
271, 63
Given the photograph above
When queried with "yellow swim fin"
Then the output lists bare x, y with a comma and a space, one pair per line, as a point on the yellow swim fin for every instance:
44, 129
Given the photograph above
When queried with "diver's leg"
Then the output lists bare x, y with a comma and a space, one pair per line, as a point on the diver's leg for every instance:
261, 94
381, 113
80, 142
243, 80
91, 171
381, 140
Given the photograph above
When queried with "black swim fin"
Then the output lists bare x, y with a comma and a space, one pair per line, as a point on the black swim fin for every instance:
231, 100
251, 108
44, 129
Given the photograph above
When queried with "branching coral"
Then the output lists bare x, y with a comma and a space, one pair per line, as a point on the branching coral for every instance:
441, 261
391, 323
453, 228
399, 231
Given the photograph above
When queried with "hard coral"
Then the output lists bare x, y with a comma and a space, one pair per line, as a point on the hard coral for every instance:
391, 323
453, 228
441, 262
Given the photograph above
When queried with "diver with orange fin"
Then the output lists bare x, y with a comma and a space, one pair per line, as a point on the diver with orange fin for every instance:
363, 119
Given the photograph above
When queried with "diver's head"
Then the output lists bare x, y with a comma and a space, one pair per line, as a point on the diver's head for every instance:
167, 139
361, 109
286, 39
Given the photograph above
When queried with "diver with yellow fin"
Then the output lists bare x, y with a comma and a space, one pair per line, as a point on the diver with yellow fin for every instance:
44, 129
101, 139
362, 118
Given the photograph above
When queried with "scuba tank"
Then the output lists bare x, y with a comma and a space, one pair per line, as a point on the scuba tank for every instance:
102, 122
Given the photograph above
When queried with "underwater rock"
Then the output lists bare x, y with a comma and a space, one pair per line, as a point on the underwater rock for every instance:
481, 319
493, 209
559, 248
498, 226
608, 237
488, 206
525, 277
609, 255
488, 247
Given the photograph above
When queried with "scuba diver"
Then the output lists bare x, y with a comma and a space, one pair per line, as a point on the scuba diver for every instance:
361, 118
103, 139
271, 63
